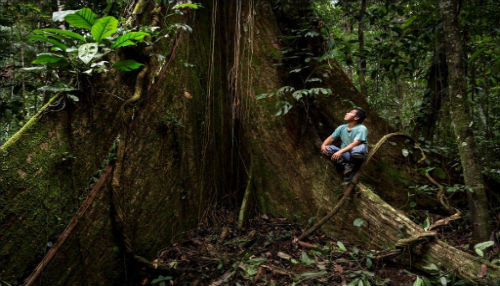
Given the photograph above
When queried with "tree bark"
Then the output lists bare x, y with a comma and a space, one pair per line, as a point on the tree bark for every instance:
462, 121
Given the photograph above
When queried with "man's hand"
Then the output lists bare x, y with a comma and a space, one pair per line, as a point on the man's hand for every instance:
328, 141
337, 155
324, 150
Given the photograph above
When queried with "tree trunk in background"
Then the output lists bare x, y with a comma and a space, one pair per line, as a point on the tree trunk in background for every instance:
173, 163
437, 84
362, 57
23, 84
462, 121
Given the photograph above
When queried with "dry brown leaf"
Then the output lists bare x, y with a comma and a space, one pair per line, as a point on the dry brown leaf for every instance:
483, 271
187, 95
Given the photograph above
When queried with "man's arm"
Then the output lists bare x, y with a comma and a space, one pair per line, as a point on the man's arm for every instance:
328, 141
347, 148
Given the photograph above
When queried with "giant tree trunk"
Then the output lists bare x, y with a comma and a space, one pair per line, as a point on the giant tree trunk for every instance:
462, 121
185, 149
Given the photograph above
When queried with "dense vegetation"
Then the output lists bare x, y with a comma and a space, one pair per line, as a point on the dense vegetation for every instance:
430, 69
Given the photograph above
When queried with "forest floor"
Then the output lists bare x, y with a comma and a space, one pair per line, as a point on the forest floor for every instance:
262, 253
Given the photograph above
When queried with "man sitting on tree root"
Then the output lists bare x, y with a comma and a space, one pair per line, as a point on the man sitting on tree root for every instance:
353, 148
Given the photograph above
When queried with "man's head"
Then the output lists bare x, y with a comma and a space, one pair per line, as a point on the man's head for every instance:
357, 114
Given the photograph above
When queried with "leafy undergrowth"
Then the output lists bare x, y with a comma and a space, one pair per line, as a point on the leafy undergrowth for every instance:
263, 254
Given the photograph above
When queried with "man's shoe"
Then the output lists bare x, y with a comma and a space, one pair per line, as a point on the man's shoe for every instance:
348, 168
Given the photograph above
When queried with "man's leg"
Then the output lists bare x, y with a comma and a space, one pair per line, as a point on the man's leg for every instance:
360, 151
344, 162
332, 149
358, 155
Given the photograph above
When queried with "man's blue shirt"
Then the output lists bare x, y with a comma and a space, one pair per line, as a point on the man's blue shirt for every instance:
358, 132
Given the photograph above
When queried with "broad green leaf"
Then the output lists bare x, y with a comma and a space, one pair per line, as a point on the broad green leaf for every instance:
427, 223
104, 27
418, 282
87, 52
443, 281
83, 18
48, 58
405, 152
128, 39
73, 97
478, 248
127, 65
49, 40
369, 262
161, 278
358, 222
304, 258
354, 282
341, 246
66, 33
187, 5
58, 16
256, 261
485, 244
431, 267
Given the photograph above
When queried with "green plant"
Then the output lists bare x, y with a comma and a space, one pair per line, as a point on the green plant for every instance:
83, 51
161, 280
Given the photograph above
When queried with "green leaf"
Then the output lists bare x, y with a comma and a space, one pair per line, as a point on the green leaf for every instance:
127, 65
427, 223
418, 282
443, 281
87, 52
104, 27
354, 282
187, 5
128, 39
341, 246
73, 97
369, 262
83, 18
68, 34
49, 40
161, 278
358, 222
47, 58
58, 16
431, 267
304, 258
478, 248
405, 152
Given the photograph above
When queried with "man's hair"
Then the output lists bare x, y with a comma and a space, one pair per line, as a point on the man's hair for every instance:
361, 114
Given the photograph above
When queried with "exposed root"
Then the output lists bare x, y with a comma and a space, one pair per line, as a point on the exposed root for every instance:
456, 213
137, 91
